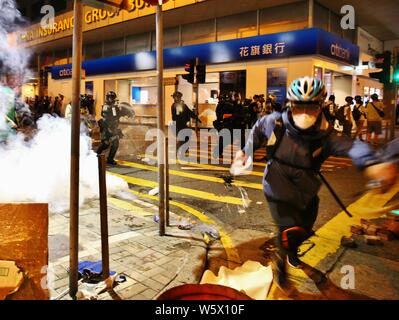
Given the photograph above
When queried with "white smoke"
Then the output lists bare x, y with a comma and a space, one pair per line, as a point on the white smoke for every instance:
13, 59
39, 170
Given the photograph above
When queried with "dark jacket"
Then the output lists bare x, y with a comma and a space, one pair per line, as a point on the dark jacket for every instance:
182, 116
291, 175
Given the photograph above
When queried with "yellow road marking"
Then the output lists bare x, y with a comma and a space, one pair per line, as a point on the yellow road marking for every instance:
205, 166
192, 175
129, 207
181, 190
231, 251
328, 237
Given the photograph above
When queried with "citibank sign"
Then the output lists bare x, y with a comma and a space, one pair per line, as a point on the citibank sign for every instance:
338, 51
65, 73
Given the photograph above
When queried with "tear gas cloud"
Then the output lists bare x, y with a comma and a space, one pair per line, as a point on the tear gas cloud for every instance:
38, 170
13, 60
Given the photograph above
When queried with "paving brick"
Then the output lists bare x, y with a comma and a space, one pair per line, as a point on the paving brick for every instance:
138, 297
149, 293
132, 290
162, 278
61, 283
144, 253
153, 271
153, 284
136, 275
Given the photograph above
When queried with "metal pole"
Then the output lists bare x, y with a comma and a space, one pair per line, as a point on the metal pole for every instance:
167, 180
196, 101
161, 121
103, 215
393, 124
75, 145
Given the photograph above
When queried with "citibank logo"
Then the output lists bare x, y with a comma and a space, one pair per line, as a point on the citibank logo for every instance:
65, 73
338, 51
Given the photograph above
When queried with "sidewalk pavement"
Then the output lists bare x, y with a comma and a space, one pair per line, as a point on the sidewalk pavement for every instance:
151, 264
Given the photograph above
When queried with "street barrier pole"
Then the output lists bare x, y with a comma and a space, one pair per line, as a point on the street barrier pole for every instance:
167, 181
103, 215
75, 146
161, 120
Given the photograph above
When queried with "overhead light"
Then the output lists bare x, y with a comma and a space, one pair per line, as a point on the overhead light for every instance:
347, 68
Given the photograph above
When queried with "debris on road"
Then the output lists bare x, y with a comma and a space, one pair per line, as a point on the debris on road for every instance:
376, 232
348, 242
373, 240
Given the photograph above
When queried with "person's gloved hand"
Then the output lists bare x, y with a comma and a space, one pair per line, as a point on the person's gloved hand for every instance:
385, 174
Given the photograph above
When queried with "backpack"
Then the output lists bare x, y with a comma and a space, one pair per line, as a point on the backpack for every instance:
356, 113
340, 115
316, 148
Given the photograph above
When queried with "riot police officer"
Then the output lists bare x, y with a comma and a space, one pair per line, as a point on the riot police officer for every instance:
109, 126
181, 115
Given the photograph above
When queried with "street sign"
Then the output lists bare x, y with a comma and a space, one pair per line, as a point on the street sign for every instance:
156, 2
121, 4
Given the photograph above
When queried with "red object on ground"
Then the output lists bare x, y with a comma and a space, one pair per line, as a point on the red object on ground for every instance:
155, 2
393, 226
203, 292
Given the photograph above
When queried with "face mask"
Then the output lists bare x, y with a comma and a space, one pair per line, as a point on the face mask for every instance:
304, 121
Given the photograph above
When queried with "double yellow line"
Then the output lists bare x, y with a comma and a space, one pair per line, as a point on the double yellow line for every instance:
232, 254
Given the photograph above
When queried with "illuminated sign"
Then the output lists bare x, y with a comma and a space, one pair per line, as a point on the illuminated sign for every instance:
305, 42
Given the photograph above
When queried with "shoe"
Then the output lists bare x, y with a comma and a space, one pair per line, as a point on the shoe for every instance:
112, 162
278, 267
294, 262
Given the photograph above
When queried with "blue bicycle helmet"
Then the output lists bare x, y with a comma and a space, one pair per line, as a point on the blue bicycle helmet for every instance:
307, 90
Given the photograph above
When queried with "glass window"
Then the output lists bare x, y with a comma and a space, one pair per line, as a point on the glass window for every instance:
46, 58
144, 91
94, 51
350, 35
208, 92
321, 16
61, 57
336, 24
170, 38
59, 5
114, 47
198, 32
288, 17
138, 43
237, 26
233, 81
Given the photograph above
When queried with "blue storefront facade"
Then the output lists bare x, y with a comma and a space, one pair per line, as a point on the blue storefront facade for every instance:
268, 63
280, 45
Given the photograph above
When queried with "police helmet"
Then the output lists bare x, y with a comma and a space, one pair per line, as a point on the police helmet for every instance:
177, 94
307, 90
110, 96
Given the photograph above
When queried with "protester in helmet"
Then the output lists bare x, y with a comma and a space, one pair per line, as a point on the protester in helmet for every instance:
299, 140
